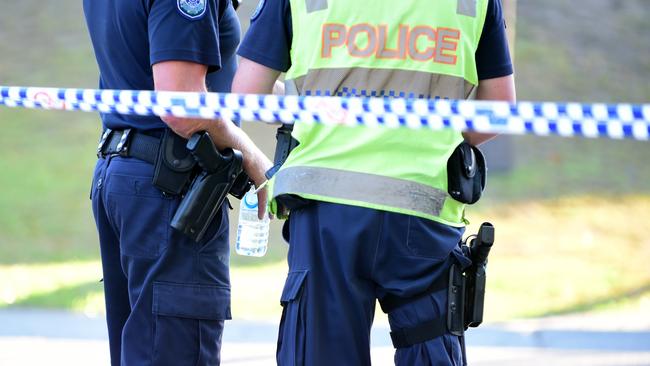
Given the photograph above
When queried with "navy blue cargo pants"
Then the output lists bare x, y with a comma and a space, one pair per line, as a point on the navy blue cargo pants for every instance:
341, 259
166, 296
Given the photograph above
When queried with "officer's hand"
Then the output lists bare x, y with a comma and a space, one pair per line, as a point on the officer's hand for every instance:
185, 127
261, 203
256, 168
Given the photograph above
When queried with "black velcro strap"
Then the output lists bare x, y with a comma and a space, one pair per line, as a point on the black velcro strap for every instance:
391, 302
406, 337
139, 146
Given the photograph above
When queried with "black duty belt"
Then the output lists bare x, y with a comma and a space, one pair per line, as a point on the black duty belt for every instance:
130, 143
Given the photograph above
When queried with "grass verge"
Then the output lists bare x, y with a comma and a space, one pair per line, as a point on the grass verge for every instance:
550, 257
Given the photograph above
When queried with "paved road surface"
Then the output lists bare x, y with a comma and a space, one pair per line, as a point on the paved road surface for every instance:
37, 337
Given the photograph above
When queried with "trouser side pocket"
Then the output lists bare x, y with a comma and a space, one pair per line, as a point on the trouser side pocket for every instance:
292, 333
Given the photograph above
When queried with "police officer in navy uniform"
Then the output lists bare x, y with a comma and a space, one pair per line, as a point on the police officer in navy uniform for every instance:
167, 296
371, 218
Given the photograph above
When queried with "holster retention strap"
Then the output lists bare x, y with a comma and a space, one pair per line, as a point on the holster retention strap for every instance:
423, 332
391, 302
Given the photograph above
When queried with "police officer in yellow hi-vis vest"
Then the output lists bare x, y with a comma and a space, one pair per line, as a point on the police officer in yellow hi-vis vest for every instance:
375, 213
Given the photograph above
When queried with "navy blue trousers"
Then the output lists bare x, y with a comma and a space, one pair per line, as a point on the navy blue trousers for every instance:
166, 296
341, 259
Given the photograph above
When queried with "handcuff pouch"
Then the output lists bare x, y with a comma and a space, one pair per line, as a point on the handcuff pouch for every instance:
466, 173
174, 166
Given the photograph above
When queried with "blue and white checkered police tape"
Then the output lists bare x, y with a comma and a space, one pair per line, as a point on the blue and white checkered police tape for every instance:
616, 121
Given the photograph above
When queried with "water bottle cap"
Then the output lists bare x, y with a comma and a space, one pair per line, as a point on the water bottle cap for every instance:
250, 200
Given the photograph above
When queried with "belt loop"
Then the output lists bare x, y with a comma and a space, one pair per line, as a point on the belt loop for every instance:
123, 146
102, 142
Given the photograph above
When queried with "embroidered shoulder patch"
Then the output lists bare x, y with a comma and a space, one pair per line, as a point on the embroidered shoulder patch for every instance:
192, 9
258, 10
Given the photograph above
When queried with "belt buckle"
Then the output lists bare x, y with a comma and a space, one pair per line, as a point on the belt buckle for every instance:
102, 142
123, 146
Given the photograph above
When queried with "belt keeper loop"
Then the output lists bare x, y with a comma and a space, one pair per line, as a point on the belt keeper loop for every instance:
123, 146
102, 142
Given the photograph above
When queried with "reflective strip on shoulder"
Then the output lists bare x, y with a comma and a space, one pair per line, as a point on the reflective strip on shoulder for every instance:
315, 5
467, 7
360, 187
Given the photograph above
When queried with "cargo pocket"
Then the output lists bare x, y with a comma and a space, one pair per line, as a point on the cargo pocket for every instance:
291, 337
188, 323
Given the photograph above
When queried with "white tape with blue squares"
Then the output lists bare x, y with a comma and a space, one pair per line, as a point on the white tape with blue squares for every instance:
617, 121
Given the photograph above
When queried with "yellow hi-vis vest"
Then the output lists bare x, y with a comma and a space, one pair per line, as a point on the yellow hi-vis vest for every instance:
383, 48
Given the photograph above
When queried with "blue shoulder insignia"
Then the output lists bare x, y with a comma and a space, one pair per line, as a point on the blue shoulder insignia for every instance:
193, 9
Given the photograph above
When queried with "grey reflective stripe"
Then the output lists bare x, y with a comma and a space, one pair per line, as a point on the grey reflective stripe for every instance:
315, 5
360, 187
382, 82
467, 7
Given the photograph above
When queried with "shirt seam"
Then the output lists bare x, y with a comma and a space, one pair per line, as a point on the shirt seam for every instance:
211, 59
495, 72
252, 55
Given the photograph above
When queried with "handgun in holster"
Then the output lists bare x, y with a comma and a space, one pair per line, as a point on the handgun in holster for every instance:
467, 287
220, 172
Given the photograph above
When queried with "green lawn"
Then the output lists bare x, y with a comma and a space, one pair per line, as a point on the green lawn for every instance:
559, 256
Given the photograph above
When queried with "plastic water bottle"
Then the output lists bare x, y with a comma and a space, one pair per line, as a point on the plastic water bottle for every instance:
252, 233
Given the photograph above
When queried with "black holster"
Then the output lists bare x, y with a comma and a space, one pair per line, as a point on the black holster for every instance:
465, 290
208, 190
467, 287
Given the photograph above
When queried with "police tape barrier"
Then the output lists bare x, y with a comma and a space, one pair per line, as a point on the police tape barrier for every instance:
617, 121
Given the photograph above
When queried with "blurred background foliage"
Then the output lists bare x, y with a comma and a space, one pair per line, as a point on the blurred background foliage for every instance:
571, 214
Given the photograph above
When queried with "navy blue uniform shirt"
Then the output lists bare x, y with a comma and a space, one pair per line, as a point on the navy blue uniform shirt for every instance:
268, 39
129, 36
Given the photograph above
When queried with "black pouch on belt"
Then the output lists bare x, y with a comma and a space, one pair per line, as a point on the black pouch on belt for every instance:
466, 173
174, 166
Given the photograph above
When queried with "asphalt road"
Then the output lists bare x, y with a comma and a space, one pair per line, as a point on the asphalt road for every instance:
37, 337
